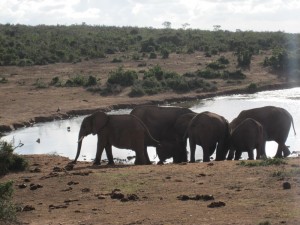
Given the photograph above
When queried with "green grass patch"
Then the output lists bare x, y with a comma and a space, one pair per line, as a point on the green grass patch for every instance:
264, 162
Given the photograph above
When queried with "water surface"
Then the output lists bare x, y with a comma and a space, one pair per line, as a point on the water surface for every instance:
60, 137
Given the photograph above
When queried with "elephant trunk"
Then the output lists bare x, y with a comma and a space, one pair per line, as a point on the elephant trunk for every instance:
80, 138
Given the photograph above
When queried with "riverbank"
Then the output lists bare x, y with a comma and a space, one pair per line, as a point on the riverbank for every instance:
26, 101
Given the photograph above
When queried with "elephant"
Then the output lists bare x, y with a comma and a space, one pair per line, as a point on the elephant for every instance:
160, 122
121, 131
247, 136
276, 124
167, 148
208, 130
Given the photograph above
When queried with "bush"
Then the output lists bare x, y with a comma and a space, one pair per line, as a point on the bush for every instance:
91, 81
252, 88
10, 161
3, 80
152, 55
165, 53
77, 81
121, 77
223, 60
264, 162
215, 66
7, 209
40, 84
116, 60
208, 74
137, 91
236, 75
155, 72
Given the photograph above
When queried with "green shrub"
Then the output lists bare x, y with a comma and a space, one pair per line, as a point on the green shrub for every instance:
40, 84
178, 84
10, 161
152, 55
77, 81
223, 60
252, 88
264, 162
137, 91
215, 66
155, 72
165, 53
91, 81
121, 77
116, 60
208, 74
111, 89
7, 209
236, 75
3, 80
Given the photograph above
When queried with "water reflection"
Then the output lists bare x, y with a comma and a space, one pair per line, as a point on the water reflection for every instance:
56, 138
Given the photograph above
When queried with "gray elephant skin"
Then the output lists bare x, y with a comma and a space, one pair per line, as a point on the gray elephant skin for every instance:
246, 137
160, 122
208, 130
276, 124
121, 131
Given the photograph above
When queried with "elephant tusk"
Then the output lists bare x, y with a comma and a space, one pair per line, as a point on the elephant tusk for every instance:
80, 139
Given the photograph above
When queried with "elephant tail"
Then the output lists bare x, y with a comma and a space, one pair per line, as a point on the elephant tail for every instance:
186, 135
293, 125
146, 128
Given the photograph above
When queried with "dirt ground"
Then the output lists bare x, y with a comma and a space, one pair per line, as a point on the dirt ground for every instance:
199, 193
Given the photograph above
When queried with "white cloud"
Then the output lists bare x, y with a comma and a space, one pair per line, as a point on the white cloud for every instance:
203, 14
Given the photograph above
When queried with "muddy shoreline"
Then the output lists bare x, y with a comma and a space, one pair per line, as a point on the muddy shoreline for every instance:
80, 112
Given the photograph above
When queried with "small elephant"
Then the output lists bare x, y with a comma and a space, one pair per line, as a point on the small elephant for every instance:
209, 130
121, 131
246, 137
276, 124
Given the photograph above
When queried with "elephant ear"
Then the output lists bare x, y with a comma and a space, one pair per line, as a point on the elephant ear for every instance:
99, 121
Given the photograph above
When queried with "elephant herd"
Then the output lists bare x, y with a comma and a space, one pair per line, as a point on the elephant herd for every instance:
169, 128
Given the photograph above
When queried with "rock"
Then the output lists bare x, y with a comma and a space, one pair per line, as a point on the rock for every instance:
28, 208
204, 197
72, 183
57, 169
35, 186
132, 197
286, 185
26, 180
117, 195
183, 197
69, 166
216, 204
22, 186
85, 190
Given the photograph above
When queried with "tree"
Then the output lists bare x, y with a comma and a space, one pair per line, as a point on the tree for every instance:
167, 24
217, 27
185, 25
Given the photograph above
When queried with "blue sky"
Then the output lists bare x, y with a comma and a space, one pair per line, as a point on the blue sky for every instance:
256, 15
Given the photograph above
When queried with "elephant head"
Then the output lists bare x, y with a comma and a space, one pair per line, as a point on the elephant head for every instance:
90, 125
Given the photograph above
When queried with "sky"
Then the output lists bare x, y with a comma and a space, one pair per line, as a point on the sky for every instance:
256, 15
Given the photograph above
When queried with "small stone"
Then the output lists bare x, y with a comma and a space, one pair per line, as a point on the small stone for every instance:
216, 204
26, 180
28, 208
286, 185
21, 186
183, 197
85, 190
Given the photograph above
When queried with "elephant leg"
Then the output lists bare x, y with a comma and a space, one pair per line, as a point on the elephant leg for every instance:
148, 162
192, 149
98, 154
109, 155
237, 155
231, 154
140, 156
206, 154
220, 152
250, 155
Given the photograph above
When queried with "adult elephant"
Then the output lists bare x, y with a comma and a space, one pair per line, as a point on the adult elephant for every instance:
121, 131
208, 130
160, 122
246, 137
276, 124
166, 148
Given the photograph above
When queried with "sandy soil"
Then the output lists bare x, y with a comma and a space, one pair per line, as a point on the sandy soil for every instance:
47, 193
198, 193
